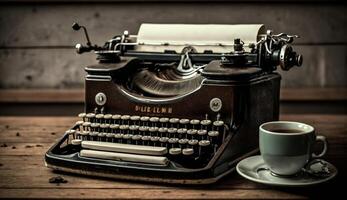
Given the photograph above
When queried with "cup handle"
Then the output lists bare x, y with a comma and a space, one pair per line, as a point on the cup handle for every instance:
325, 147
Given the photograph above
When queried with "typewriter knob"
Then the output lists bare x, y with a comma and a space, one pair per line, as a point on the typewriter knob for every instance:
100, 99
289, 58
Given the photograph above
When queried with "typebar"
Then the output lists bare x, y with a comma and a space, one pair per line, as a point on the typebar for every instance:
159, 160
124, 148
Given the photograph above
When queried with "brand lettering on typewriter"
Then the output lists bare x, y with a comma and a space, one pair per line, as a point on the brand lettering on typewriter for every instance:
153, 109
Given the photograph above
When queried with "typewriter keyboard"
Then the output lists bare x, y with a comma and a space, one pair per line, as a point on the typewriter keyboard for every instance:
150, 140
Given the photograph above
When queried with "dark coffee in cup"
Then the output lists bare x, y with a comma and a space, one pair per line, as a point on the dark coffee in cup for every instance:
286, 147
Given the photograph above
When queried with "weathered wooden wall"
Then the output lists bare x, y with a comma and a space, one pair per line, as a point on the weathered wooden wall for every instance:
36, 39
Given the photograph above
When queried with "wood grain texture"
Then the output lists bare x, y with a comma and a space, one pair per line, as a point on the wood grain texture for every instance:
23, 174
324, 66
50, 24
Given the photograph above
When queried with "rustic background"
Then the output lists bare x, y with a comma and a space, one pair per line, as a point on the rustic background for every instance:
36, 43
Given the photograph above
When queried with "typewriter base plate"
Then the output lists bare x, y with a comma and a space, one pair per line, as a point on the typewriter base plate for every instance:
131, 177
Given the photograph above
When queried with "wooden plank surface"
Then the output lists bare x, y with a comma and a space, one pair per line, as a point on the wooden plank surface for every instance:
324, 66
77, 95
50, 24
24, 141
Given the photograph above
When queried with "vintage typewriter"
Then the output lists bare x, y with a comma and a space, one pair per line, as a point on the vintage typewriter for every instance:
176, 103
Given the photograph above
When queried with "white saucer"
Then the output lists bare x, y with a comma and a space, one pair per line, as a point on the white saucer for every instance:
254, 169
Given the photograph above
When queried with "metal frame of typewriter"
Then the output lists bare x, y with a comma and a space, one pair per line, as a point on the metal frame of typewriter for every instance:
252, 93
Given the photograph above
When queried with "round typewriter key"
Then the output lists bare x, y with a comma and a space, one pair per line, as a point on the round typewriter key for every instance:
94, 126
175, 151
154, 119
116, 117
118, 137
82, 115
183, 142
143, 129
184, 121
145, 140
203, 146
205, 122
124, 128
194, 121
202, 133
108, 118
93, 135
114, 127
133, 128
164, 121
76, 142
153, 131
218, 123
104, 126
109, 137
99, 117
136, 138
163, 141
70, 132
125, 117
174, 121
84, 135
144, 120
182, 132
162, 131
173, 142
191, 133
155, 140
204, 143
193, 142
172, 132
90, 115
213, 133
86, 124
79, 125
135, 119
188, 151
126, 138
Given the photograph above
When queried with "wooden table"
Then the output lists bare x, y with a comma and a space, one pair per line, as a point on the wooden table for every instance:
24, 140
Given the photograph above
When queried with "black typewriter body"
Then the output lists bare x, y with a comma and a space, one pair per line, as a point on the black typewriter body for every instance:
171, 117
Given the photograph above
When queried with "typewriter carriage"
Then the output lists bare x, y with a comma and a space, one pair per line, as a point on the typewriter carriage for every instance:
139, 76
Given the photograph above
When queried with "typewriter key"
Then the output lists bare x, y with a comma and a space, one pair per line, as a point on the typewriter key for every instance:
162, 131
182, 133
203, 146
133, 128
145, 139
173, 142
90, 116
144, 120
183, 142
107, 118
172, 132
94, 126
175, 151
93, 135
135, 119
126, 138
79, 125
194, 123
202, 134
76, 142
174, 122
155, 140
116, 118
84, 135
99, 118
153, 131
154, 120
163, 141
164, 121
188, 151
83, 116
191, 133
118, 137
109, 137
136, 138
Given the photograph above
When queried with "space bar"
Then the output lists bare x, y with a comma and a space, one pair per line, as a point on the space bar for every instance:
158, 160
124, 148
